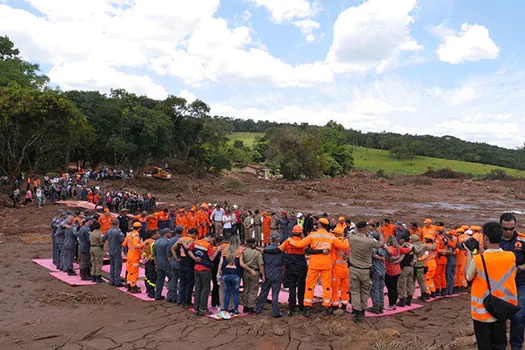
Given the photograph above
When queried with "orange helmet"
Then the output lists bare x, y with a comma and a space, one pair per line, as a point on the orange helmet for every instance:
339, 231
324, 221
464, 227
297, 229
475, 228
460, 230
341, 218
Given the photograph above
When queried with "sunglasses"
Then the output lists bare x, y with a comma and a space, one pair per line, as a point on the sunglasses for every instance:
509, 228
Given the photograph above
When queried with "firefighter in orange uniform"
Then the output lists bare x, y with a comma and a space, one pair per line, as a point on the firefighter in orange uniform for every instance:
203, 220
191, 219
440, 278
428, 228
388, 229
152, 222
430, 264
181, 220
460, 283
340, 271
320, 264
132, 242
142, 219
267, 220
105, 221
163, 218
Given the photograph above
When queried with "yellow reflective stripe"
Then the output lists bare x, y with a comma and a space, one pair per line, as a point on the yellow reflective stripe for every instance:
340, 261
200, 247
308, 300
320, 235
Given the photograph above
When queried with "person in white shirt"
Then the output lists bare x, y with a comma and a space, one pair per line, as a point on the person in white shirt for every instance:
216, 219
227, 224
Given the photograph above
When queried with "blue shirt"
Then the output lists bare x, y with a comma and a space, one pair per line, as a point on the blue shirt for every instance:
516, 245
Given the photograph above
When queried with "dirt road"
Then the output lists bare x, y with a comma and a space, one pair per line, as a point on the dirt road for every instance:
39, 312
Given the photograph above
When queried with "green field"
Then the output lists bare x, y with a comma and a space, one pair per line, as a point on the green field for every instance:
247, 137
376, 159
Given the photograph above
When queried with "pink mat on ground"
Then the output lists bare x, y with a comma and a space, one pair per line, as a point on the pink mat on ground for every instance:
71, 280
142, 272
398, 310
48, 264
142, 295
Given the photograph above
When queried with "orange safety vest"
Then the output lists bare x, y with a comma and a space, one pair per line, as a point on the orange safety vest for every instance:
290, 249
152, 222
320, 239
340, 256
501, 268
388, 230
184, 240
105, 223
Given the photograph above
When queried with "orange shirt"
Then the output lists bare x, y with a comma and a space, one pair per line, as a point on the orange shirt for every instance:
191, 220
105, 223
320, 239
388, 230
289, 248
152, 222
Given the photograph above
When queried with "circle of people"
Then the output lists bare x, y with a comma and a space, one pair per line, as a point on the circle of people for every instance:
211, 250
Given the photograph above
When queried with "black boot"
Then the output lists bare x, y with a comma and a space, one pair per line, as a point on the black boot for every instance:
93, 279
71, 272
301, 310
409, 301
433, 295
401, 302
307, 312
328, 311
443, 292
99, 279
291, 312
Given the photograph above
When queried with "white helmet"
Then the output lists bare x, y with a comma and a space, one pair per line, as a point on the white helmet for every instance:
235, 207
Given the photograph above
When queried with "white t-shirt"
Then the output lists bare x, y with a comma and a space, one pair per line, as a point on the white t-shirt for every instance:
217, 214
226, 219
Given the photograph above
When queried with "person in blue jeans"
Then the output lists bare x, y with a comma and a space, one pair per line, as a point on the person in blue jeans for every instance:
230, 272
514, 241
273, 275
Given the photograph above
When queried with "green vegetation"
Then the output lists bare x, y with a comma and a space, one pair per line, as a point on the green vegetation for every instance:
248, 138
375, 160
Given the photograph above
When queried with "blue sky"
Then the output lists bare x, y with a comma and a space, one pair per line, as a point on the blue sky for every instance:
440, 67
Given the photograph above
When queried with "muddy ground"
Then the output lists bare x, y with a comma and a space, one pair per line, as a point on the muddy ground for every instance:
39, 312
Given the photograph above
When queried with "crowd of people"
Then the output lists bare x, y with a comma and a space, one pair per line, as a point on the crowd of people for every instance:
214, 250
76, 187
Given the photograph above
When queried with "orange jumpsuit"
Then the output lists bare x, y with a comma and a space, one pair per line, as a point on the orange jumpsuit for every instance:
340, 276
203, 221
430, 264
90, 197
180, 220
428, 230
105, 223
132, 242
191, 220
267, 220
320, 264
461, 259
440, 279
417, 232
152, 222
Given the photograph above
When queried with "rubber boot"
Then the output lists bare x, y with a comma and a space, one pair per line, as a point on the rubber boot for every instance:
93, 279
301, 310
409, 301
99, 279
433, 295
71, 272
291, 312
328, 311
401, 302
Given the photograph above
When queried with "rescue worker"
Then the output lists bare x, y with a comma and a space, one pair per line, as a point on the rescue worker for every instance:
123, 221
378, 277
201, 251
431, 265
203, 220
283, 223
84, 245
440, 278
460, 282
186, 266
428, 228
340, 272
514, 241
361, 246
163, 218
500, 268
406, 285
105, 221
452, 251
320, 264
142, 219
55, 223
295, 271
115, 238
421, 250
477, 234
152, 222
388, 229
341, 224
273, 275
192, 219
415, 230
96, 252
181, 220
161, 253
132, 242
173, 284
266, 228
69, 246
149, 263
254, 260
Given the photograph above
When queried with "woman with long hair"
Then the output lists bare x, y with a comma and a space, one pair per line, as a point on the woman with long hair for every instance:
393, 271
230, 272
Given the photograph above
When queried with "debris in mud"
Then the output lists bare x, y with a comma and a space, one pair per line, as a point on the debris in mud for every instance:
279, 331
80, 297
445, 173
461, 342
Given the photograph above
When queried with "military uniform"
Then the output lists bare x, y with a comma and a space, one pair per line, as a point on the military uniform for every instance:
253, 259
68, 249
97, 254
115, 237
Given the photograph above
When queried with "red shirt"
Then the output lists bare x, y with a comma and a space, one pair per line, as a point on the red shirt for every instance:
391, 268
199, 267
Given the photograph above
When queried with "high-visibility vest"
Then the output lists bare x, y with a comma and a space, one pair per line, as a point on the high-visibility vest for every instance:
501, 267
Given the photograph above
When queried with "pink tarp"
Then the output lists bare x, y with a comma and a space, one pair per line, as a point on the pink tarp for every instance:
142, 272
142, 295
71, 280
78, 204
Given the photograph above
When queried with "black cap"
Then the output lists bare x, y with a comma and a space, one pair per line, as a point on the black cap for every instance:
251, 240
165, 230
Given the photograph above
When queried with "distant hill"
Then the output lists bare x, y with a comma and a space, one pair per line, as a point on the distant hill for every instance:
372, 159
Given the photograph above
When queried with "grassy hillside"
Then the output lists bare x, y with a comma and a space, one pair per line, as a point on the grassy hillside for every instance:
376, 159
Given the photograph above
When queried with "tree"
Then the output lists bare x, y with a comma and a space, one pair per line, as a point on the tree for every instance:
30, 117
15, 70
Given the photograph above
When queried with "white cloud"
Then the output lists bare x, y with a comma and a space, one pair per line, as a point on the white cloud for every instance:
286, 10
188, 96
307, 26
98, 76
472, 43
372, 35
